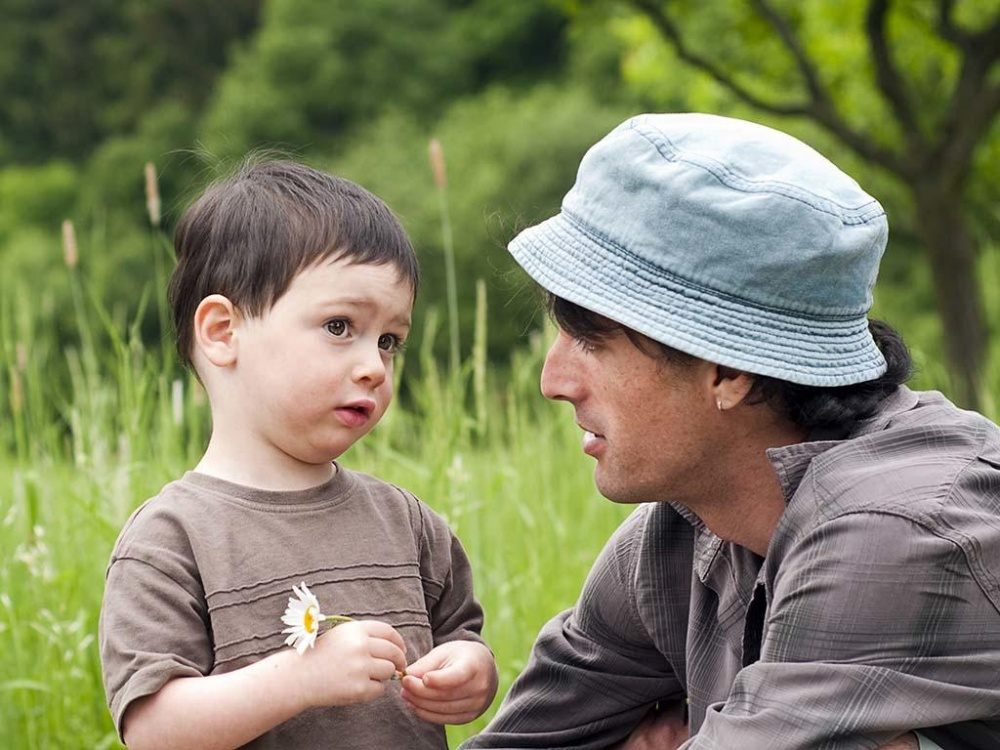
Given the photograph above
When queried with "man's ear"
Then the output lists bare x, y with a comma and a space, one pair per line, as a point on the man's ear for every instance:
215, 323
731, 386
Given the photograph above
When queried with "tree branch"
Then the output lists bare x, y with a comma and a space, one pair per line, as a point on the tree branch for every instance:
946, 24
887, 76
972, 107
965, 124
818, 107
987, 42
665, 25
816, 91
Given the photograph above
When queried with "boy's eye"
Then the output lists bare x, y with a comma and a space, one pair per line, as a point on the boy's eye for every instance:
390, 342
337, 327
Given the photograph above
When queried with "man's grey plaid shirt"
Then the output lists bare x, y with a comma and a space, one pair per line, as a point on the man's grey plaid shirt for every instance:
876, 610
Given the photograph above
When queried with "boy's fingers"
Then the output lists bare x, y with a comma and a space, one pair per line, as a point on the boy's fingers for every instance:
385, 631
425, 664
381, 670
386, 651
415, 686
441, 705
445, 718
450, 676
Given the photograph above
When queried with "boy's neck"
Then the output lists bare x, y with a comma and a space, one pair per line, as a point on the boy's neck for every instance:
274, 474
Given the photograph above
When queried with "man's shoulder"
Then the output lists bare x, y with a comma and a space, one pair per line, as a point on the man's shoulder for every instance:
914, 463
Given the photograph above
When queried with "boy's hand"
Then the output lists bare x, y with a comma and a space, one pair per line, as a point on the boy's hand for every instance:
351, 663
453, 684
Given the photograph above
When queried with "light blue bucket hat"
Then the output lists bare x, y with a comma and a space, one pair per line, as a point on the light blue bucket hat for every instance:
722, 238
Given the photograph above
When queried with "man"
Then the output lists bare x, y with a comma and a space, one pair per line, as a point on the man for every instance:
816, 560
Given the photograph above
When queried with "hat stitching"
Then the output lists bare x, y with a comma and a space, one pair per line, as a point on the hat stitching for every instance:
698, 339
858, 215
861, 362
723, 328
657, 271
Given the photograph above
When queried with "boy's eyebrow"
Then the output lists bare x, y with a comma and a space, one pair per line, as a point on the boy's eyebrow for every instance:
364, 302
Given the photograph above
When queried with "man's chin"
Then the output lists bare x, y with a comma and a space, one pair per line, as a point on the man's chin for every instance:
614, 491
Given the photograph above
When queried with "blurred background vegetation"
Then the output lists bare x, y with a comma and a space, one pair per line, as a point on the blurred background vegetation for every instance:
95, 414
903, 95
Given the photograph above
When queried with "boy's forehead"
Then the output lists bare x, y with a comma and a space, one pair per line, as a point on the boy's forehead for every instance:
380, 267
373, 286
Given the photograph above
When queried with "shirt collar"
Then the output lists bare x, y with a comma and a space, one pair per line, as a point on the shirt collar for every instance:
791, 462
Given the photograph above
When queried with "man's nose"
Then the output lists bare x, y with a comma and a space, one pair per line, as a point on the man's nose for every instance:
559, 375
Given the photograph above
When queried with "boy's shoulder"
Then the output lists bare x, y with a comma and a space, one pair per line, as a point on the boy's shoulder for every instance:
161, 518
423, 517
198, 511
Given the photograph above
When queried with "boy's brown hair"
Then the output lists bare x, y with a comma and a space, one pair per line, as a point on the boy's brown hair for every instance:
249, 235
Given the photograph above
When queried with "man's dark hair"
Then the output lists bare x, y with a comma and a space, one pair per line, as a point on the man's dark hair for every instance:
810, 407
249, 235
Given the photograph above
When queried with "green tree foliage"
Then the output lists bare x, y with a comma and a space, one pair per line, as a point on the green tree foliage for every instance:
74, 73
907, 91
315, 71
33, 202
32, 196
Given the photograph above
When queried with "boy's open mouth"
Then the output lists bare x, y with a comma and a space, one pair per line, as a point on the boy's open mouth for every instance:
356, 413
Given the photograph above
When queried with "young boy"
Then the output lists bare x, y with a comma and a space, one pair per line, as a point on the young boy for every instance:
292, 294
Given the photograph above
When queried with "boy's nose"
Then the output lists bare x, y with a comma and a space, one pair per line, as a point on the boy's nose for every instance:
558, 381
371, 365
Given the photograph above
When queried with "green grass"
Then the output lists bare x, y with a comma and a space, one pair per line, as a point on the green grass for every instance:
91, 430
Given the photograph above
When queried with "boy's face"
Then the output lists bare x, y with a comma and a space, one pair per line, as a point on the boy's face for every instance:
315, 372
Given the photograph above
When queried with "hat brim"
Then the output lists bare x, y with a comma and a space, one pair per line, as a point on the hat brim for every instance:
609, 280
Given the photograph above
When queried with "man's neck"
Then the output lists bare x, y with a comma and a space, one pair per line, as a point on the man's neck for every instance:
748, 517
746, 501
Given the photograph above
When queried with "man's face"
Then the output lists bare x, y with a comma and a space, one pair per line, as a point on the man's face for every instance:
648, 424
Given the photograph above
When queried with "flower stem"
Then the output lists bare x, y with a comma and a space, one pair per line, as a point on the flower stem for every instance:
337, 619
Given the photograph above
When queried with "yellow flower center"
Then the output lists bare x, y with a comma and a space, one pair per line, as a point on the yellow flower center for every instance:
309, 620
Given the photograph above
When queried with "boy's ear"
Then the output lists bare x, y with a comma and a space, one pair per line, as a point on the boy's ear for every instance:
215, 322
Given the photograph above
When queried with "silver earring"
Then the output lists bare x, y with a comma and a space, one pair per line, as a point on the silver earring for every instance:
718, 402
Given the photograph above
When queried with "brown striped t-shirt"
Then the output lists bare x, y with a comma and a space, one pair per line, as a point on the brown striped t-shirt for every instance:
201, 575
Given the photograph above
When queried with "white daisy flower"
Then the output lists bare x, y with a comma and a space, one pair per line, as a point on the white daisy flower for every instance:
303, 618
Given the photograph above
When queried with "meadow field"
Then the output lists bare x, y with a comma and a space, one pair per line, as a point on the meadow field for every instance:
92, 427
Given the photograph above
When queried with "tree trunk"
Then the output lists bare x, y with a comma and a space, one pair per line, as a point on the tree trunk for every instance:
952, 251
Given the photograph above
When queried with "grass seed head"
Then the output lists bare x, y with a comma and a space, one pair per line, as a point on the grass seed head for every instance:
70, 254
437, 164
152, 195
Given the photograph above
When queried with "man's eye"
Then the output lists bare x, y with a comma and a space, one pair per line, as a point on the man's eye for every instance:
389, 342
337, 327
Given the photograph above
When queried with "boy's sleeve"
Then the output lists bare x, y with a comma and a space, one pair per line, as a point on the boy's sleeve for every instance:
446, 574
594, 671
153, 623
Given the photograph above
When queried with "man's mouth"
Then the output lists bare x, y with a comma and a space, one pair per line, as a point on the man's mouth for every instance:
592, 443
